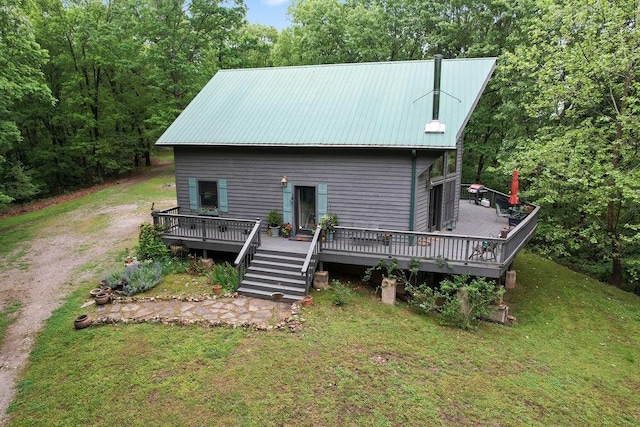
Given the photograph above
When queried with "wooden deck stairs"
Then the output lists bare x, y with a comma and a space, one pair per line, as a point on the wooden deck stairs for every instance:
272, 272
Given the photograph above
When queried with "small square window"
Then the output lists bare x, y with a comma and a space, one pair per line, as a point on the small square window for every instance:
437, 169
208, 191
451, 162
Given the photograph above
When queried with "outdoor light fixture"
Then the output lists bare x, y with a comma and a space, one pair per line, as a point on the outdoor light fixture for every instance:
284, 181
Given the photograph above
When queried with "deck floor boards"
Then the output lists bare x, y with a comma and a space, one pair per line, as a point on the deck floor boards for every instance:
476, 220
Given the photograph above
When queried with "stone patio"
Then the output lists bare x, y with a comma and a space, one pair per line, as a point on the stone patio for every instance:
225, 311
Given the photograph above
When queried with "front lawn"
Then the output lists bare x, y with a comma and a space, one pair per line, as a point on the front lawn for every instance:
572, 359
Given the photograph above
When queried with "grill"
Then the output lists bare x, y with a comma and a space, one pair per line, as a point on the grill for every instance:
477, 190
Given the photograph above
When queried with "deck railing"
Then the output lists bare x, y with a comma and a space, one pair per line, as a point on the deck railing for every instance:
310, 262
443, 248
440, 247
407, 244
248, 251
520, 235
199, 227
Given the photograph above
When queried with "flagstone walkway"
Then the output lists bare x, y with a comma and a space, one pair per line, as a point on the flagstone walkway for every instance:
225, 311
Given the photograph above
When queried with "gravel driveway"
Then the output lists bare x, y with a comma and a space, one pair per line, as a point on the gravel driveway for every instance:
53, 260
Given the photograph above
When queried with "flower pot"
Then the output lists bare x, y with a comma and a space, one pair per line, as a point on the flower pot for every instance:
216, 289
102, 298
82, 321
329, 237
275, 231
307, 301
94, 292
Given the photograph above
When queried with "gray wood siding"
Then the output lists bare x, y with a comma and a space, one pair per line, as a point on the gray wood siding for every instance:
365, 188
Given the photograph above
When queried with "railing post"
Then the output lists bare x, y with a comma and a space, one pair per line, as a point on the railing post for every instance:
466, 251
204, 230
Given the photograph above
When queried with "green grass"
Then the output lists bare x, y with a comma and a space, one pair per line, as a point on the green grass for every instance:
572, 359
17, 231
7, 317
181, 285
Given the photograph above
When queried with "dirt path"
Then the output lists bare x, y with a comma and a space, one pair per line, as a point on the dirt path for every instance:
54, 259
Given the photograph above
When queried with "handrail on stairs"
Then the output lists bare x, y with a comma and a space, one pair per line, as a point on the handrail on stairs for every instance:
248, 250
309, 266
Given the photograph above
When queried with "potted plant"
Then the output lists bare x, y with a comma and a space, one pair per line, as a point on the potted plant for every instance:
329, 222
285, 230
274, 219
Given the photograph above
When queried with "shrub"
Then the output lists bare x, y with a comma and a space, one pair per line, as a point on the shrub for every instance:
174, 265
150, 244
225, 275
481, 294
390, 269
142, 278
274, 218
341, 293
196, 266
136, 280
329, 222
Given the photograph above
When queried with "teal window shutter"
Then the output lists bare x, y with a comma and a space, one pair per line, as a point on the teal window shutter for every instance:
223, 202
287, 204
323, 200
193, 194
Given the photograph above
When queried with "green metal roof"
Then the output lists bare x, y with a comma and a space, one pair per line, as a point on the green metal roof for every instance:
385, 104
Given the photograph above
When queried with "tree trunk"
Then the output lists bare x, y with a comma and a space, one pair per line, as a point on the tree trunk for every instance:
480, 168
613, 207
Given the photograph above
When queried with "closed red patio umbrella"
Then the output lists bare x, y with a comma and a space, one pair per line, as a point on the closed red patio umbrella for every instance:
513, 199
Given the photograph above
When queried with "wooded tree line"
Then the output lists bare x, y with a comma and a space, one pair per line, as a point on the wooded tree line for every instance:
89, 85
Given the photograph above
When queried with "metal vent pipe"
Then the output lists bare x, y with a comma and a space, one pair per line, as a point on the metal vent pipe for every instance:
437, 66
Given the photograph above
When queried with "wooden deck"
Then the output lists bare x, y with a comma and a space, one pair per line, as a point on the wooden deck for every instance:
472, 246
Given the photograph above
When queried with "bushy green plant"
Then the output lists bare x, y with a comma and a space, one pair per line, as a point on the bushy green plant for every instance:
116, 279
274, 218
329, 222
389, 268
225, 275
150, 244
135, 280
342, 293
174, 265
142, 278
479, 293
196, 266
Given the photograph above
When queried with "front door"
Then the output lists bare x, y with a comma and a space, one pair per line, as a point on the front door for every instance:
305, 209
